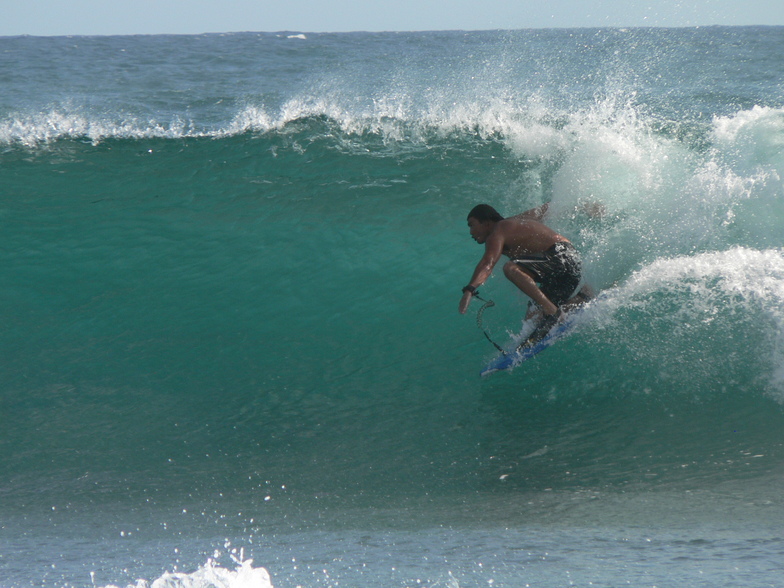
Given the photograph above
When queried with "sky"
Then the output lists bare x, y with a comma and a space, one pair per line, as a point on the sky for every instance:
123, 17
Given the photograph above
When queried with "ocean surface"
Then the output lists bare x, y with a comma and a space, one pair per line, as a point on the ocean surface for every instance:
231, 354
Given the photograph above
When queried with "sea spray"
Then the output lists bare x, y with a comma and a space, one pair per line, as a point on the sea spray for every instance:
210, 575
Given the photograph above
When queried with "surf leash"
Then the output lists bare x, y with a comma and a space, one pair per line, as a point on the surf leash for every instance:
487, 304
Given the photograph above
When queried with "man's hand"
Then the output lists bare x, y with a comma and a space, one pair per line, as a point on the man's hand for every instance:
465, 301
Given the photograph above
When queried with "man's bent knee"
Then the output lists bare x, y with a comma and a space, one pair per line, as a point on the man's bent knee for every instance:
511, 269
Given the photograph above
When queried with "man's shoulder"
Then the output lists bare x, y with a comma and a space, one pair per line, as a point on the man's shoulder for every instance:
507, 233
515, 224
506, 227
513, 221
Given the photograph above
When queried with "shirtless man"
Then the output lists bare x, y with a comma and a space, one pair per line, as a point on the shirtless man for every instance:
542, 263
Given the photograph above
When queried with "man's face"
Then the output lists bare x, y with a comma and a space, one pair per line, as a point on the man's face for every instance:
479, 230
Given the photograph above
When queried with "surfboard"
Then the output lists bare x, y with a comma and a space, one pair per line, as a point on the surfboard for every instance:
514, 356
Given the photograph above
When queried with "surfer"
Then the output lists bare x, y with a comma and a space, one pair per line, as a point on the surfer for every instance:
543, 264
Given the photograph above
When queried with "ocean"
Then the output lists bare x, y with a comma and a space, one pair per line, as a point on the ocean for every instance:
231, 352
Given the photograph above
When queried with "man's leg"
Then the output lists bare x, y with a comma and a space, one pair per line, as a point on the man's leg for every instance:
525, 281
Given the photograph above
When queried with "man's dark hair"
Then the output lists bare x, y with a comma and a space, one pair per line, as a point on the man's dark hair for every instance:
485, 212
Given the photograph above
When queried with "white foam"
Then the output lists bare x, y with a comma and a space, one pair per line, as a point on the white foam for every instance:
744, 285
728, 129
757, 276
613, 159
251, 118
55, 124
211, 576
751, 140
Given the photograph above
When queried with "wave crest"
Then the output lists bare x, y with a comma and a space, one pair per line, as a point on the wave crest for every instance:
716, 314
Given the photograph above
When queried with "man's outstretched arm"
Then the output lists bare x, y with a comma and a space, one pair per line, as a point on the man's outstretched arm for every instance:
493, 249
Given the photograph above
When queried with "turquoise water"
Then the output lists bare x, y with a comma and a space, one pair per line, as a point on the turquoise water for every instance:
231, 268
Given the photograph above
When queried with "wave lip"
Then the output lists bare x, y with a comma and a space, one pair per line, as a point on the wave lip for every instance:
54, 125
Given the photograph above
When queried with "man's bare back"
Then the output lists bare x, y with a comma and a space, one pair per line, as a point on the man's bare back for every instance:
521, 236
